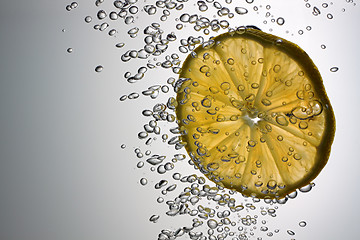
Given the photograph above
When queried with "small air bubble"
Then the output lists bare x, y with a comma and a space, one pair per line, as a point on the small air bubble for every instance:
101, 14
154, 218
290, 232
241, 10
280, 21
302, 224
334, 69
120, 45
99, 68
88, 19
143, 181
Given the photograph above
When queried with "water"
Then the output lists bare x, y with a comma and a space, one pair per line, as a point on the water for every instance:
151, 53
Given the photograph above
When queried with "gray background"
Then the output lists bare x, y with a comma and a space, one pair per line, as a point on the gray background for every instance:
62, 172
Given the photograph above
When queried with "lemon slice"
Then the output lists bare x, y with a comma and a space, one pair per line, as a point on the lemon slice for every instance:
254, 114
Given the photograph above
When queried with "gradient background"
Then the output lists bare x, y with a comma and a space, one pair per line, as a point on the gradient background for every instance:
63, 174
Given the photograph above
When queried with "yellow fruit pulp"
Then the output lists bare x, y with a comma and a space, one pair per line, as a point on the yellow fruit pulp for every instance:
254, 113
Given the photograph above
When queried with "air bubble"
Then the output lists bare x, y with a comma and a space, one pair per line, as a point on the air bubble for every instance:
133, 9
241, 10
281, 120
140, 164
101, 14
291, 233
120, 45
212, 223
99, 68
143, 181
334, 69
88, 19
154, 218
280, 21
306, 188
302, 224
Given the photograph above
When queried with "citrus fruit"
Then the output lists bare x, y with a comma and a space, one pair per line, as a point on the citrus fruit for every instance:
254, 114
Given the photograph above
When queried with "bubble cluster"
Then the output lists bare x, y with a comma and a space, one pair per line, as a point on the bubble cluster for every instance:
71, 6
174, 30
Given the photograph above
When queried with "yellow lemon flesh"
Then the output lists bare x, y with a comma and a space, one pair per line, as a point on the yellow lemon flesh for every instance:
254, 114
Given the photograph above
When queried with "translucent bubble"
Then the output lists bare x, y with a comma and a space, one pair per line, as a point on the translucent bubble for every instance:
74, 5
334, 69
103, 26
329, 16
306, 188
161, 169
129, 20
212, 223
185, 17
123, 98
98, 2
123, 146
290, 232
281, 120
99, 68
88, 19
241, 10
143, 181
176, 176
113, 16
280, 21
203, 8
171, 188
120, 45
133, 95
101, 14
154, 218
133, 9
316, 11
302, 224
140, 164
112, 32
69, 50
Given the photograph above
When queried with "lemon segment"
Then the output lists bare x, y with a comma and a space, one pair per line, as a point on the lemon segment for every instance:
254, 114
